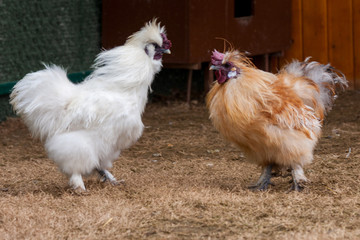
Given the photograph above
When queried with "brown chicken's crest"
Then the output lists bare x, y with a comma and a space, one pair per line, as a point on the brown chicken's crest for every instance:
217, 58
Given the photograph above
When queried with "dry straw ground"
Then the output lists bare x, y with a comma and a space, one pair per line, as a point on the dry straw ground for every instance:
182, 181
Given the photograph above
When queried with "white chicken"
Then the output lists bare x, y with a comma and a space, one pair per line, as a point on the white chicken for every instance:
85, 126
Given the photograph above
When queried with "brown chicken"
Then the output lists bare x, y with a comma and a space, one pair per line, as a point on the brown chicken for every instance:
275, 119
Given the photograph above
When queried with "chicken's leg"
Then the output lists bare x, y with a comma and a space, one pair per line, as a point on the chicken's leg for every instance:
264, 180
77, 183
298, 178
105, 175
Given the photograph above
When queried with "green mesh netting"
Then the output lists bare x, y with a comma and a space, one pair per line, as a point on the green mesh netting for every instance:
63, 32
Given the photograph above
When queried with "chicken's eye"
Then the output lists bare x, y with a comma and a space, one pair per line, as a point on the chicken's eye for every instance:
155, 45
227, 65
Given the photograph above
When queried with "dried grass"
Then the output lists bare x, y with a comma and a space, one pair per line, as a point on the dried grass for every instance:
182, 181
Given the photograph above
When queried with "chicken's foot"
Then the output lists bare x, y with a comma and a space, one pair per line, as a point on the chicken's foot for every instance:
105, 175
264, 180
77, 183
298, 178
297, 186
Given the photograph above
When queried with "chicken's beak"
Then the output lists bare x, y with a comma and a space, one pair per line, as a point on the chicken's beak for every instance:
213, 67
167, 51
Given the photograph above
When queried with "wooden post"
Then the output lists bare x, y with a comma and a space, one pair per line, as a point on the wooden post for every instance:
189, 81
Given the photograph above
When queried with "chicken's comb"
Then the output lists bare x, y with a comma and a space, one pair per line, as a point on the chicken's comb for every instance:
166, 42
217, 58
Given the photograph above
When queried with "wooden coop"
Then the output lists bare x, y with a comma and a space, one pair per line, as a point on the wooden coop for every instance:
195, 27
329, 32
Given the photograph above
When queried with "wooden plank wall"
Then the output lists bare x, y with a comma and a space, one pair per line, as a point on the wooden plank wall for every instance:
329, 31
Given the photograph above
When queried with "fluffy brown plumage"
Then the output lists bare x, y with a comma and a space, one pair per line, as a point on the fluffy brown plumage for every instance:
274, 119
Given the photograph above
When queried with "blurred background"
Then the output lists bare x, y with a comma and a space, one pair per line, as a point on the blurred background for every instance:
71, 32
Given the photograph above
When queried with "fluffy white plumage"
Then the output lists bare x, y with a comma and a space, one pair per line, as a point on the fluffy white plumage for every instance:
85, 126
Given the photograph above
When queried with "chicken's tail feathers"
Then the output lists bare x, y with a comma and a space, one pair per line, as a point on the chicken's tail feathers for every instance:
39, 98
328, 79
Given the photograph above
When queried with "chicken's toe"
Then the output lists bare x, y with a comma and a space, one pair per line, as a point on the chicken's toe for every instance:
297, 186
263, 186
79, 191
264, 180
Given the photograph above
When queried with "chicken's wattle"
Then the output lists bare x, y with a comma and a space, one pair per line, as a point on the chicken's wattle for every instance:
158, 55
221, 76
